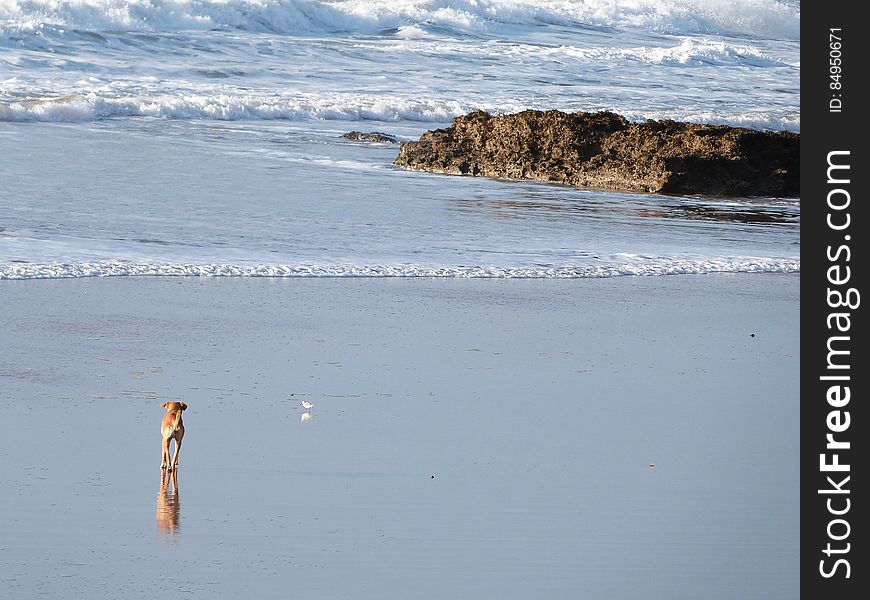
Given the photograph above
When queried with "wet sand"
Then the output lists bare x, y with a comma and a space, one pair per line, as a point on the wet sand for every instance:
469, 439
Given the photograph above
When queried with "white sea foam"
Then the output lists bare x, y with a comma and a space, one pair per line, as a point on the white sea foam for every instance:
335, 107
760, 18
231, 107
688, 52
760, 120
647, 267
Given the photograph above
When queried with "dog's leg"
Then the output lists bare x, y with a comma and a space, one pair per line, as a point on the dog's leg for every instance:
177, 450
164, 462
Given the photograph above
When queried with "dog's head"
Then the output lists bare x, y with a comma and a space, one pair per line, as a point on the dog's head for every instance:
170, 406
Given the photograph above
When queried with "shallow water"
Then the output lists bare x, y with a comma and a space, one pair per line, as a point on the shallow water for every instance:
182, 198
468, 439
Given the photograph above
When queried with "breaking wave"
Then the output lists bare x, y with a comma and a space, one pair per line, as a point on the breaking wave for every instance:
759, 18
229, 107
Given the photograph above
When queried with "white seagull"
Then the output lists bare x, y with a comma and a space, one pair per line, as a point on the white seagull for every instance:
306, 404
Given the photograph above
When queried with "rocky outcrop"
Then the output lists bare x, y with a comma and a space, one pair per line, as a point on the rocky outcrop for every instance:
374, 136
604, 150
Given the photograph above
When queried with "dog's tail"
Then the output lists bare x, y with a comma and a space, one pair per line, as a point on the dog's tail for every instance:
177, 420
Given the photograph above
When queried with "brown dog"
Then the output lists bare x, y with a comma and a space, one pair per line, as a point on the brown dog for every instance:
172, 429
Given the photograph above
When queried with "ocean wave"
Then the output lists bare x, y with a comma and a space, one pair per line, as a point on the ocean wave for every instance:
229, 107
758, 18
688, 52
760, 120
92, 106
685, 52
654, 267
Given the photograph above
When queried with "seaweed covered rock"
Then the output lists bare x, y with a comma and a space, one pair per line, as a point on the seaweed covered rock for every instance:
605, 150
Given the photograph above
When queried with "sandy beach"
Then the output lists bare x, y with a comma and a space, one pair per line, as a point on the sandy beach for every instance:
469, 438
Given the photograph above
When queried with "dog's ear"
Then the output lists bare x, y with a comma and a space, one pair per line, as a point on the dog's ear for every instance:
183, 406
164, 405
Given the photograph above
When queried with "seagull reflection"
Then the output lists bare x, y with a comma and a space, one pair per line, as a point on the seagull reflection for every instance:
168, 502
306, 416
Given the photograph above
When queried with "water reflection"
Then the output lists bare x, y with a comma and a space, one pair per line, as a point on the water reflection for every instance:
706, 213
743, 210
168, 502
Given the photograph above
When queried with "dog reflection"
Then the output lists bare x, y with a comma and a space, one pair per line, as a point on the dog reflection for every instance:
168, 503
